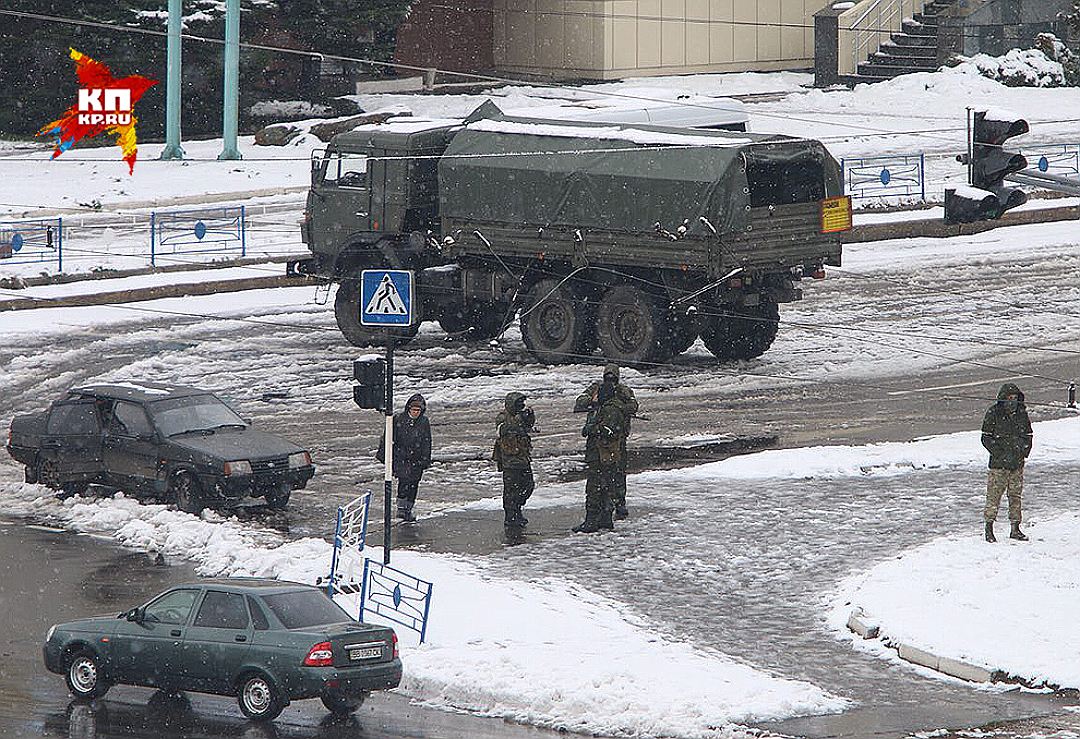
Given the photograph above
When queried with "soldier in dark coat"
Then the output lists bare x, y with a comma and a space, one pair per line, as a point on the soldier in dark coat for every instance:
587, 402
412, 453
513, 456
605, 443
1006, 434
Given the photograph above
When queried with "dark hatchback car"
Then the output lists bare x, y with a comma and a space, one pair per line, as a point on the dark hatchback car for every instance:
180, 444
265, 641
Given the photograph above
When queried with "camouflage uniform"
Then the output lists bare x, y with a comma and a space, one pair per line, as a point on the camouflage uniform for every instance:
1006, 434
587, 402
605, 442
513, 456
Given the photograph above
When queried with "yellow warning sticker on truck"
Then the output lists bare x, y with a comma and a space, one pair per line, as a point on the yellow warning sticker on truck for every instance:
836, 214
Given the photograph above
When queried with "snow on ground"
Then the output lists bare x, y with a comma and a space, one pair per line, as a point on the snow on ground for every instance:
1010, 606
542, 652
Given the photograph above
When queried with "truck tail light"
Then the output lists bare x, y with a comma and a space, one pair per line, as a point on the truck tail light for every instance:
818, 274
320, 655
394, 635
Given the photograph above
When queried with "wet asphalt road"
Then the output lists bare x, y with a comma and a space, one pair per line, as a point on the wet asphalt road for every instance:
50, 576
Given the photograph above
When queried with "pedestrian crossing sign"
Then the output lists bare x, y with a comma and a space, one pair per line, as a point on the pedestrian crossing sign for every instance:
386, 297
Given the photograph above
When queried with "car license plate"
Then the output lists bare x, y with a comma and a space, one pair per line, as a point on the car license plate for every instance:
365, 653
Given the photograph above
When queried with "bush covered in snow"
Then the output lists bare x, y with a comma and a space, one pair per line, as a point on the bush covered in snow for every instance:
289, 110
1050, 64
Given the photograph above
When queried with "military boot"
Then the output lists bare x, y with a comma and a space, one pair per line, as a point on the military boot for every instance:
590, 525
1016, 533
405, 512
990, 532
605, 521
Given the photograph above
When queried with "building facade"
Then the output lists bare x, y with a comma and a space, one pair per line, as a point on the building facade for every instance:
612, 39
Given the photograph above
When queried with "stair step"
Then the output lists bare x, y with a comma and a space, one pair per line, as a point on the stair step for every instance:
904, 39
895, 49
914, 28
872, 69
890, 60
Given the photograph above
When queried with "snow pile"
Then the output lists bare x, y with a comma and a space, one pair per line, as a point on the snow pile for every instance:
1017, 68
545, 653
1055, 442
289, 109
1009, 606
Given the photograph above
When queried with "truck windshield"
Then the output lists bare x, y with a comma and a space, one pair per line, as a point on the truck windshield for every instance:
196, 413
345, 170
303, 608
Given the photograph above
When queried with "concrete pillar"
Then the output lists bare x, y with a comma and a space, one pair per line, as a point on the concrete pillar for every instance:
231, 114
827, 47
173, 149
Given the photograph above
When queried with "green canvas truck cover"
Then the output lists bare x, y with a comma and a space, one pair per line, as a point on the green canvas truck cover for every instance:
604, 176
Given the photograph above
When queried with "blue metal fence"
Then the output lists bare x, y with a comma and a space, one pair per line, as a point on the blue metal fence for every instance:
350, 534
1061, 159
40, 240
886, 176
219, 230
396, 596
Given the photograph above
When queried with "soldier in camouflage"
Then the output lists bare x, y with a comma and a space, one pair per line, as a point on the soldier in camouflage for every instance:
1006, 434
513, 457
588, 402
605, 443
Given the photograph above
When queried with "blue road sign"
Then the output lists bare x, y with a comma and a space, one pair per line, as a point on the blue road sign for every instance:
386, 297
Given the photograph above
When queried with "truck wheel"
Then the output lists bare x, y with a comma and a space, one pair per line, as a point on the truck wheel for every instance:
84, 676
742, 333
48, 474
347, 313
277, 501
184, 491
554, 323
631, 325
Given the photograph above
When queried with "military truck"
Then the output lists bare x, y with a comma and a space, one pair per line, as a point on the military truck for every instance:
628, 238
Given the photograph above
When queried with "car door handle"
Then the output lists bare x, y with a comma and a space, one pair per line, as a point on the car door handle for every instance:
175, 632
240, 637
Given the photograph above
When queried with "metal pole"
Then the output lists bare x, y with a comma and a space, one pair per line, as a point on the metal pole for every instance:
970, 151
230, 116
153, 236
388, 466
173, 149
59, 244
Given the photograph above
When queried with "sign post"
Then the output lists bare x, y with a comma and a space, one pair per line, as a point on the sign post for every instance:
387, 301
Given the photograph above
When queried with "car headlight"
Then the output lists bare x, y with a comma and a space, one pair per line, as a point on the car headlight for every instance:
52, 630
240, 467
300, 459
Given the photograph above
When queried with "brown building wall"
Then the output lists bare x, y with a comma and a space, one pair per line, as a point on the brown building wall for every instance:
454, 35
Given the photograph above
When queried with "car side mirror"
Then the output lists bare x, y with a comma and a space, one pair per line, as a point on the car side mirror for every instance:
136, 615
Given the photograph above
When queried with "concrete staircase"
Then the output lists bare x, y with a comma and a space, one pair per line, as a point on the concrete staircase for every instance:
912, 49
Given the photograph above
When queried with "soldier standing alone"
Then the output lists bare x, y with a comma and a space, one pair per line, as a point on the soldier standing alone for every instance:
513, 457
1006, 434
588, 402
605, 442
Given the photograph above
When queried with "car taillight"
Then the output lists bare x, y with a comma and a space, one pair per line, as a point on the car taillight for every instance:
395, 645
320, 655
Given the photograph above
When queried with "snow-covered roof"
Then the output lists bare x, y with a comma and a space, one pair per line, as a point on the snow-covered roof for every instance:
615, 133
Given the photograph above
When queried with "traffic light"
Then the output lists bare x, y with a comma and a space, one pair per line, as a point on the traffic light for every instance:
989, 164
370, 376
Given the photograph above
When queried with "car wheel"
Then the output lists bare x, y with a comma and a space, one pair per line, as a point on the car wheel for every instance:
184, 491
277, 501
344, 704
84, 676
259, 698
48, 474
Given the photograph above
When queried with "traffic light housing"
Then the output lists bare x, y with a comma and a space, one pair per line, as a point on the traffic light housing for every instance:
989, 164
370, 388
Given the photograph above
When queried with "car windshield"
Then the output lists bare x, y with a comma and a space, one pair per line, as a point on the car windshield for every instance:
303, 608
196, 413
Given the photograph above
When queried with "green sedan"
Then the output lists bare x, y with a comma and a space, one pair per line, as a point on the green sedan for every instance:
265, 641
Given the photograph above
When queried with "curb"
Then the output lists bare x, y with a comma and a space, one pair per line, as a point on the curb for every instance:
220, 197
861, 625
160, 291
938, 229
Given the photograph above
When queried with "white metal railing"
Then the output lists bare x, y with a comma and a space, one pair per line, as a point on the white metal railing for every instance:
867, 25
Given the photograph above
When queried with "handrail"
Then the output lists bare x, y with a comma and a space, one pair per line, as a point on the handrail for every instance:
868, 24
